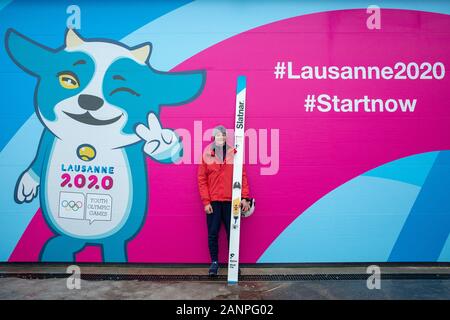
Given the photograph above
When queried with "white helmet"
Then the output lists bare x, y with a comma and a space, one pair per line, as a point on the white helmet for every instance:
250, 211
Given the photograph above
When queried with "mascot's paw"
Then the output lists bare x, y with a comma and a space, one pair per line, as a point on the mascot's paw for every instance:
160, 144
27, 187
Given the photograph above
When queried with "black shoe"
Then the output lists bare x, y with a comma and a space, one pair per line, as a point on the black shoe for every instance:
213, 269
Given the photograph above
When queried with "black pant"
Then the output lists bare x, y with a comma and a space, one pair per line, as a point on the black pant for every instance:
221, 213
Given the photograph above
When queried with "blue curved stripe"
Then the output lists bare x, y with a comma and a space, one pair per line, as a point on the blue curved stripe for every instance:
413, 170
357, 222
426, 230
423, 236
176, 36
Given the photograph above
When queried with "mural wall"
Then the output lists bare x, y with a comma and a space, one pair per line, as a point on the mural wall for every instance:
106, 109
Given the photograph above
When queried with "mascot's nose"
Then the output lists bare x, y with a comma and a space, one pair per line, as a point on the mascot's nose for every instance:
89, 102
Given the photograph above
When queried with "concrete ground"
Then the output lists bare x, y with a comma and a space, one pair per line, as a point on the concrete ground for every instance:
13, 287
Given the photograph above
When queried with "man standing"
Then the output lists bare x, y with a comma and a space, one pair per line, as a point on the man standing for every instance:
215, 177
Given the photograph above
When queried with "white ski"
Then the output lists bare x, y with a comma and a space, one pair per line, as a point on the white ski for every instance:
233, 259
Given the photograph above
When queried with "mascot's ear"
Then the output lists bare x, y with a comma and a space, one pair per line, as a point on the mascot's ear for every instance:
29, 55
72, 39
142, 53
177, 88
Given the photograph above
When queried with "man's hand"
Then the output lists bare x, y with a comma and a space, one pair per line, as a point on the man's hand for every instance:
160, 144
245, 205
208, 209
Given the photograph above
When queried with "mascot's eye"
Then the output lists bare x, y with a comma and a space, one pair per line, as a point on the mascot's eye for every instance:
68, 81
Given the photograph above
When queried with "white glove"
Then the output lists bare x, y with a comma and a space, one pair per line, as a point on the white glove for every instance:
27, 187
160, 144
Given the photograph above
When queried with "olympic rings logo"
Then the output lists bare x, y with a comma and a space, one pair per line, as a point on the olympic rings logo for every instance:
72, 205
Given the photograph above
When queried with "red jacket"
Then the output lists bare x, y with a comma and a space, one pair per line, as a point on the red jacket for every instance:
215, 177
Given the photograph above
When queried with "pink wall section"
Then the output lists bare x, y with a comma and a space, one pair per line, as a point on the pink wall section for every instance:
318, 151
